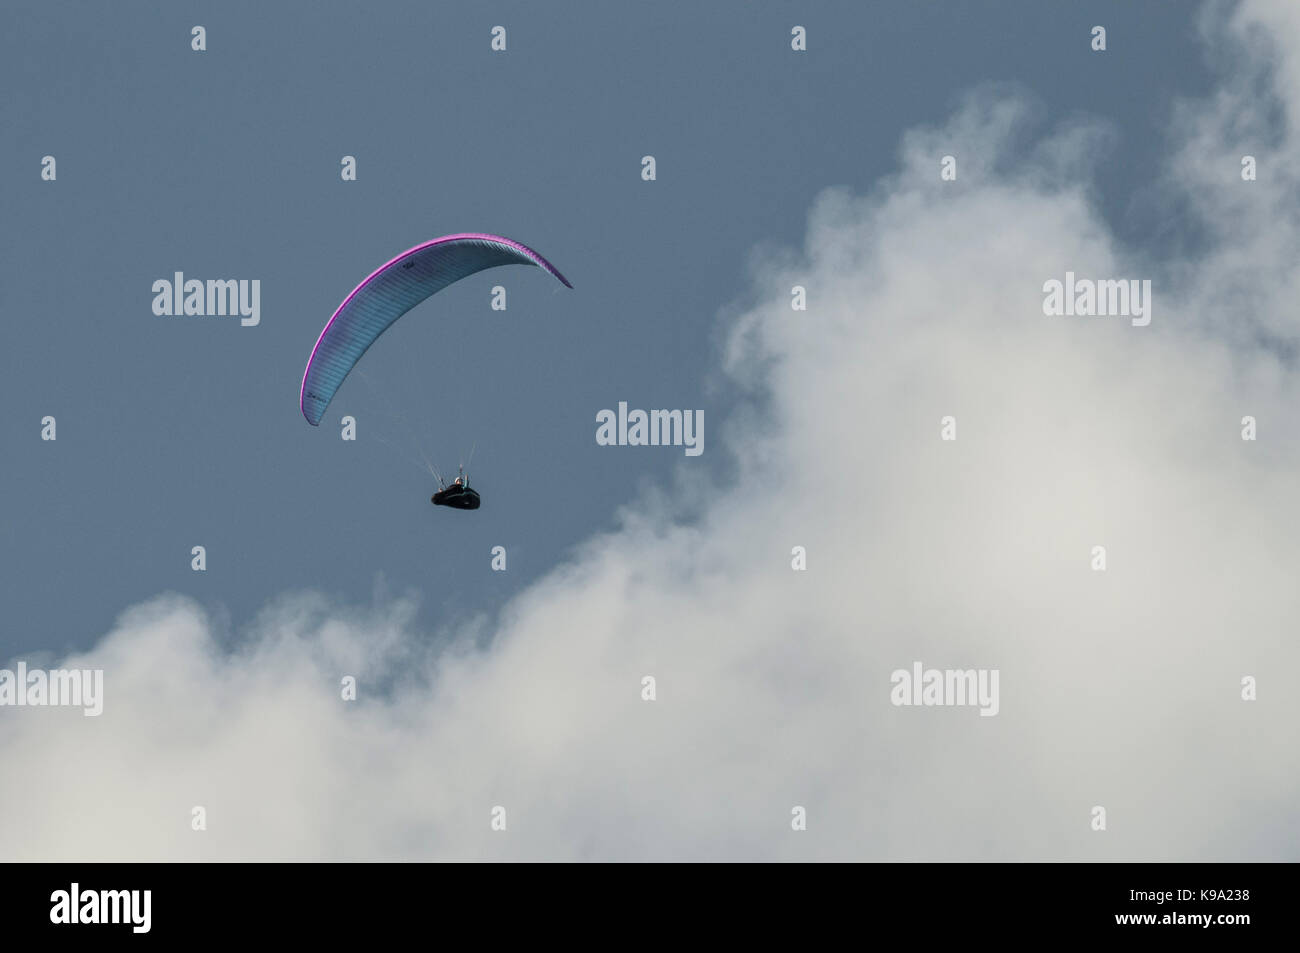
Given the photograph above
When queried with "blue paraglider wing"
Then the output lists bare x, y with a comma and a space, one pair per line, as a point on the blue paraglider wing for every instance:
388, 293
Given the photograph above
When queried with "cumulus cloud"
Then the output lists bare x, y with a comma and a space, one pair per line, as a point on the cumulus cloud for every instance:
1119, 689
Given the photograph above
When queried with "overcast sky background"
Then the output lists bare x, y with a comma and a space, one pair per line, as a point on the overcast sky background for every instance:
175, 433
522, 688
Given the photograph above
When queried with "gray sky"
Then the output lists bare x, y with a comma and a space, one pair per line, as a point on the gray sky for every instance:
226, 164
522, 689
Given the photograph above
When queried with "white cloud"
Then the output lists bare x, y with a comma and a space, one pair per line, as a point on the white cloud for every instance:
1118, 689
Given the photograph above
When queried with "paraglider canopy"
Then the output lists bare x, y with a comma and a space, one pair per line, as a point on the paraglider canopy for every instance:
388, 293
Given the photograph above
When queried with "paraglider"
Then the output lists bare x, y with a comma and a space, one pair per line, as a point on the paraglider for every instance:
458, 494
384, 296
390, 291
